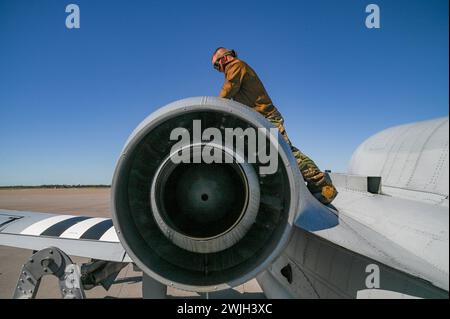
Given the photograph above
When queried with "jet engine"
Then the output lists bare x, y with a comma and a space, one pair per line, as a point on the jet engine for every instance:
197, 224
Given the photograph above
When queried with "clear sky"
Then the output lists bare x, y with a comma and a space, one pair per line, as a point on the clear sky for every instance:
70, 98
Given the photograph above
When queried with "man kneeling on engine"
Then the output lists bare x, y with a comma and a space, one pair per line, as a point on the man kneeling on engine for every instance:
243, 85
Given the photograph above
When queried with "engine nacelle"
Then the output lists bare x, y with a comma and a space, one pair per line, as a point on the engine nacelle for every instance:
198, 225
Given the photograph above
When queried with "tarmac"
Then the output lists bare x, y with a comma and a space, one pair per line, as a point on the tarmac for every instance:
87, 202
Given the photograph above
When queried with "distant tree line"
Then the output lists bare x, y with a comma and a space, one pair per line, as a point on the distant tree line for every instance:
57, 186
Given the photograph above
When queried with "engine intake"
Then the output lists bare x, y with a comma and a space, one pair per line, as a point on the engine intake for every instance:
202, 226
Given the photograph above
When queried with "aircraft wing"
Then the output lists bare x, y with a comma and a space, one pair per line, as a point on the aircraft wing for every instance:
81, 236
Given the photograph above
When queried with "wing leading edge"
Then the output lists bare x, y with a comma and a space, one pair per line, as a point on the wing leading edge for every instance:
81, 236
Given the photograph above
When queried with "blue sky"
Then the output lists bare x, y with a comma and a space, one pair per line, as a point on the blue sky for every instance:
70, 98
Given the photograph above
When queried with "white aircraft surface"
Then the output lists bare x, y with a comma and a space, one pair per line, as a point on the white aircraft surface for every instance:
208, 227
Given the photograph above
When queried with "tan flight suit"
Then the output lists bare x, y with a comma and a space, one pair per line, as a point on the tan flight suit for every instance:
243, 85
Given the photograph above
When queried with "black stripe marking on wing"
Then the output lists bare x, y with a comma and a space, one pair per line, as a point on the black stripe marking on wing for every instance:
97, 231
59, 228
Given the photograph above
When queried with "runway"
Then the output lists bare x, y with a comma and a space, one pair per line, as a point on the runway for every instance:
93, 202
